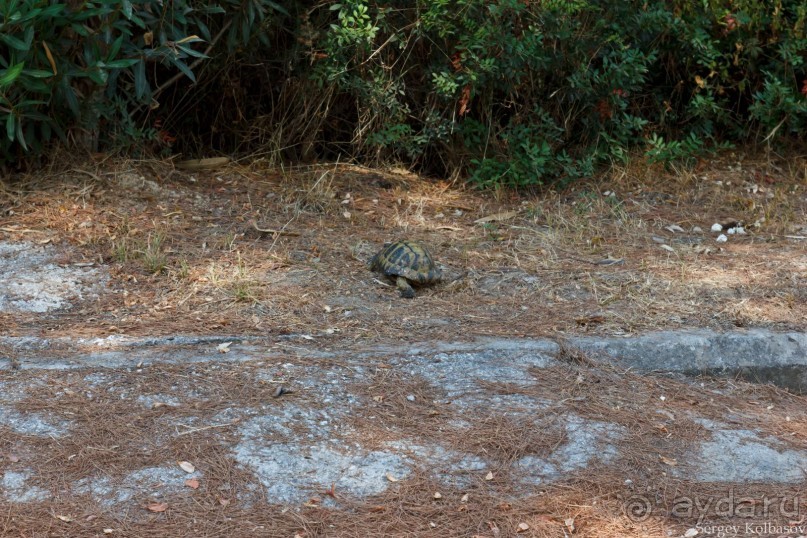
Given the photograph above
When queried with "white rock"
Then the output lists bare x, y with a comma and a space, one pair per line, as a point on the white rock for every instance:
721, 238
717, 227
697, 230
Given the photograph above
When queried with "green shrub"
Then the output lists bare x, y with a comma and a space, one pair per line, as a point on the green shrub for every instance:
84, 70
520, 93
505, 92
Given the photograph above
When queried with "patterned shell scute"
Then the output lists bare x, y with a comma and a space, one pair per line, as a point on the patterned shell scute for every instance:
409, 260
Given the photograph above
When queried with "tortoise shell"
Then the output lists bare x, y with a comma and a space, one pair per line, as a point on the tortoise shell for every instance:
409, 260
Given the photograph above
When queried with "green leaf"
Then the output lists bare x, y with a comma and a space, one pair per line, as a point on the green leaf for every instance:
86, 14
14, 43
38, 73
138, 21
11, 74
211, 10
115, 48
10, 126
191, 52
36, 85
203, 29
70, 96
20, 136
11, 12
97, 75
277, 7
80, 30
122, 63
127, 9
251, 15
52, 11
29, 37
30, 15
112, 84
185, 69
141, 84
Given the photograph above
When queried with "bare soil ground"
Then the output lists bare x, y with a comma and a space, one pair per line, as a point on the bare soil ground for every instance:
597, 258
618, 256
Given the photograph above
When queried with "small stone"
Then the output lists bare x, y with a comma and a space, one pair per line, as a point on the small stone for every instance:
716, 227
410, 397
721, 238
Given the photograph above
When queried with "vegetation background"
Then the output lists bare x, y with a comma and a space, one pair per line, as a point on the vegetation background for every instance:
503, 93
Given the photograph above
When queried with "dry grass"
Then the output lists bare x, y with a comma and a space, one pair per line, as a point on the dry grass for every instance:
180, 248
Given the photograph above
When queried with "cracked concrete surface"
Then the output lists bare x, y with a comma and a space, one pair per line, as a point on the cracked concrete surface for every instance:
294, 450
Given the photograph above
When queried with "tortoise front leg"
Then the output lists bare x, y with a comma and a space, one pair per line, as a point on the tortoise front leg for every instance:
406, 289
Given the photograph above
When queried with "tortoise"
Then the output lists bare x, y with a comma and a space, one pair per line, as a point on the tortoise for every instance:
408, 263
